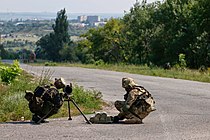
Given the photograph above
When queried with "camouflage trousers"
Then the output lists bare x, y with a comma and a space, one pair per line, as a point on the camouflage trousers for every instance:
139, 112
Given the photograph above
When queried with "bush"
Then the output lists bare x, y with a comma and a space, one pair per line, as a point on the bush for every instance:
182, 61
99, 62
50, 64
9, 73
86, 98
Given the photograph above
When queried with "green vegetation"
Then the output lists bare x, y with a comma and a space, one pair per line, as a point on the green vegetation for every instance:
50, 64
20, 36
9, 73
155, 34
87, 100
148, 34
53, 46
14, 105
143, 41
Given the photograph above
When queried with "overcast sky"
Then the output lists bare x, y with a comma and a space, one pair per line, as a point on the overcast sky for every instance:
71, 6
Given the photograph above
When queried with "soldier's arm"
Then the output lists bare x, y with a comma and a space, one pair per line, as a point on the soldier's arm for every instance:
130, 99
125, 96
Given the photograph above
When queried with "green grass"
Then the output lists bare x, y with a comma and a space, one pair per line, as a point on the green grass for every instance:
88, 101
13, 104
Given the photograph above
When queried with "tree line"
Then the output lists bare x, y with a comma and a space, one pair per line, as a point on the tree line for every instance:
149, 33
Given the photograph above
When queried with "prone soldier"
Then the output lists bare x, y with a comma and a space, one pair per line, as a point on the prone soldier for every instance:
137, 105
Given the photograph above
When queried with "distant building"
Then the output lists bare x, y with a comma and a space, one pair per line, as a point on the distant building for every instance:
93, 19
82, 18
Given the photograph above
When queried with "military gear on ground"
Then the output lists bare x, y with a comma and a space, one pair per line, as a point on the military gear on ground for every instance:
137, 105
101, 118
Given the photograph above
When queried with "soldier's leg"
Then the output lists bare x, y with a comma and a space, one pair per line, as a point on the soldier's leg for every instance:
118, 105
133, 116
136, 115
133, 120
119, 117
142, 112
53, 111
35, 118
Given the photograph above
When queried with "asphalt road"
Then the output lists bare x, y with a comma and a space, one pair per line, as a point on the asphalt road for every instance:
183, 110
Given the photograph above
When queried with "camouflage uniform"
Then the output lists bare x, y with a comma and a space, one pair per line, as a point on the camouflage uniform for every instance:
137, 105
46, 100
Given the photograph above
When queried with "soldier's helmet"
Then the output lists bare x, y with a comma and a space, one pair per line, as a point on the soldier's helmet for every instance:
128, 82
59, 83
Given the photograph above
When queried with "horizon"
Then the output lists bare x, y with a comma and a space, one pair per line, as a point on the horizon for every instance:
50, 15
58, 11
79, 6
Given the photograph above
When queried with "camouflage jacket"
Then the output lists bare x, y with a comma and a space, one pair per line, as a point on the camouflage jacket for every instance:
137, 97
45, 98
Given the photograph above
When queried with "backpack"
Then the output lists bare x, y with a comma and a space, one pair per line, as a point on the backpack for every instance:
141, 100
52, 95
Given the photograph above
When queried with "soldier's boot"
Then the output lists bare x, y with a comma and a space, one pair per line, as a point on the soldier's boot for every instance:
36, 118
133, 121
116, 119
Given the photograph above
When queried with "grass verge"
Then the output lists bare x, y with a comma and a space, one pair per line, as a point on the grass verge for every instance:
14, 105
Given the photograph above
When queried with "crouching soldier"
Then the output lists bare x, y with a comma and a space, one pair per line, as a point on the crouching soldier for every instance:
46, 100
137, 105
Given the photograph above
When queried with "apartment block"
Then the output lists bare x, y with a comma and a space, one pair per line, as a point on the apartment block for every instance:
82, 18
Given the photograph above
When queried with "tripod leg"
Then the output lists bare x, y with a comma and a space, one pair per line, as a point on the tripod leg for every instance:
69, 111
80, 111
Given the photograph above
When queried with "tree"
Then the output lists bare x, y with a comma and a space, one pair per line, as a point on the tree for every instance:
3, 52
51, 44
139, 26
104, 42
198, 53
155, 33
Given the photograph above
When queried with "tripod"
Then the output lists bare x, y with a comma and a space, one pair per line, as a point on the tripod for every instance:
69, 99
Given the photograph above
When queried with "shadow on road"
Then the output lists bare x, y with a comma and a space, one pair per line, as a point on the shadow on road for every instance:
17, 122
20, 122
